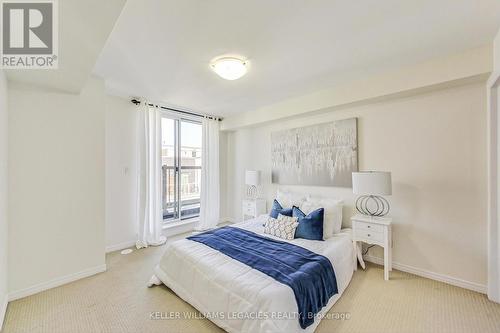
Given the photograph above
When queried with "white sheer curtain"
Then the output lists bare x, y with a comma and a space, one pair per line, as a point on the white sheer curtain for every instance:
149, 203
210, 196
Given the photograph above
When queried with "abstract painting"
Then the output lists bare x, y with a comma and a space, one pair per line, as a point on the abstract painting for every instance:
324, 154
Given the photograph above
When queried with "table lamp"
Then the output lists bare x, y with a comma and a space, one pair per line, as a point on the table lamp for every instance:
252, 180
371, 186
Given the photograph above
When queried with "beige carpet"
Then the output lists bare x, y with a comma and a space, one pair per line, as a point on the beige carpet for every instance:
118, 301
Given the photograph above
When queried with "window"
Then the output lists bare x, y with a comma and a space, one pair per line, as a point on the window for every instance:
181, 168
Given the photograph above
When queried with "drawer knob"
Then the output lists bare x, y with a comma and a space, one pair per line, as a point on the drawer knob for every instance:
369, 235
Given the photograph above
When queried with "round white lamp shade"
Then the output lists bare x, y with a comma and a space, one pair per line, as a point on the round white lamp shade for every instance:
252, 177
372, 183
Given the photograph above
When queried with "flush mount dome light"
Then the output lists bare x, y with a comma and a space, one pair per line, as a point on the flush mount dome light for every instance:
229, 68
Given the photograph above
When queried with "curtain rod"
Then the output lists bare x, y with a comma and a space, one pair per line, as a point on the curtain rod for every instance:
137, 102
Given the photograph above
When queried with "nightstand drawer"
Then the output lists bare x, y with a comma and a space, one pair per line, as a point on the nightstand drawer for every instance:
249, 210
369, 226
253, 208
248, 205
369, 235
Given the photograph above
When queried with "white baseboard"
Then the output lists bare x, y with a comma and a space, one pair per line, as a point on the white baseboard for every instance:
3, 310
120, 246
56, 282
179, 228
480, 288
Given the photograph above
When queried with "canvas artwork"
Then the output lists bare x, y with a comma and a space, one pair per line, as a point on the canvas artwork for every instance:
321, 155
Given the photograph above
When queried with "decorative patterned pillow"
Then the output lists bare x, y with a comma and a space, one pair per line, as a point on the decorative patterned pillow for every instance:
282, 227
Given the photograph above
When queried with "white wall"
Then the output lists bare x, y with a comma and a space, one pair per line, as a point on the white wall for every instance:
121, 171
56, 186
3, 196
496, 52
434, 144
493, 173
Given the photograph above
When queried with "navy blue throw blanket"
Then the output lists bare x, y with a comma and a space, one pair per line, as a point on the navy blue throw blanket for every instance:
310, 275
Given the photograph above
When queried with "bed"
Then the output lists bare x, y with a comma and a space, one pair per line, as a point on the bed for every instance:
238, 298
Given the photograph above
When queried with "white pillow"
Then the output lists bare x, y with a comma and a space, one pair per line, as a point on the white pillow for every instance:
282, 227
289, 199
332, 222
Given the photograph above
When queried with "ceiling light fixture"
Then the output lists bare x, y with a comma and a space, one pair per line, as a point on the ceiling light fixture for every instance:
229, 68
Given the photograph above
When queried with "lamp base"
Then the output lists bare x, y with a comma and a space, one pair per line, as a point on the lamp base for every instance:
372, 205
252, 192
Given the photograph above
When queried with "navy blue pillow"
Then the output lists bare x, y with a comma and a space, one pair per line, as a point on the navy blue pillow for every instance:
278, 209
310, 226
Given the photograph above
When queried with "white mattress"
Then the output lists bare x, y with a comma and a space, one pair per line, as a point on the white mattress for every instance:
238, 298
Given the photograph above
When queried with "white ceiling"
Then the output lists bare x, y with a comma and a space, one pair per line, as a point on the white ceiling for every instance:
84, 27
161, 49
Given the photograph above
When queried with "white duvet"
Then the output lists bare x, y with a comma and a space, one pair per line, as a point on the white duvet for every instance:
238, 298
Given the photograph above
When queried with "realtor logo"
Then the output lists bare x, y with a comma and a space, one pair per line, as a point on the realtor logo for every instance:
29, 34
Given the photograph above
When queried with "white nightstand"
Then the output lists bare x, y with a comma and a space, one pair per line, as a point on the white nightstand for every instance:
253, 208
373, 230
